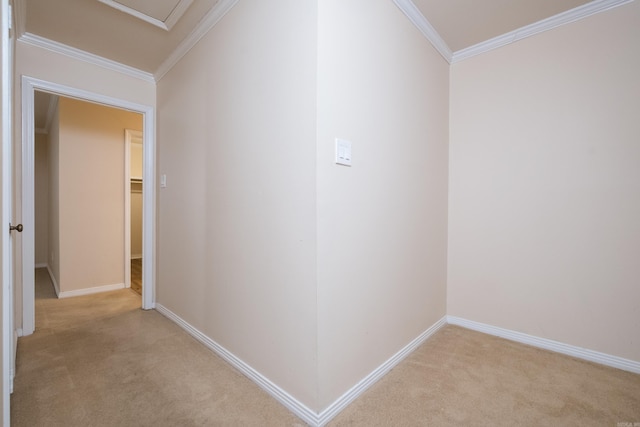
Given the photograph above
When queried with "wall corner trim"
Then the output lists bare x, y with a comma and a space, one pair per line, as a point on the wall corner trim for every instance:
547, 344
298, 408
425, 27
550, 23
290, 402
356, 391
72, 52
204, 26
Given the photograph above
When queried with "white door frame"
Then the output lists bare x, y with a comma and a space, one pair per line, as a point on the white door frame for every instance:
29, 86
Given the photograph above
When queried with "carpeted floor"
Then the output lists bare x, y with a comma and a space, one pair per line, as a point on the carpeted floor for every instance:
100, 360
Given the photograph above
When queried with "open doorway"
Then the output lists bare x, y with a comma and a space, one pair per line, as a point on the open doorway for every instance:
86, 209
134, 190
30, 87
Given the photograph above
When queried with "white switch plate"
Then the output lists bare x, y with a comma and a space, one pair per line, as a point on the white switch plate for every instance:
343, 152
163, 181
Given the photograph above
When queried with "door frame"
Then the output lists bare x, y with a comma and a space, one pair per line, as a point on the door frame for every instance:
29, 86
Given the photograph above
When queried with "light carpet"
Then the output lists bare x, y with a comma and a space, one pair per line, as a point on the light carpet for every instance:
100, 360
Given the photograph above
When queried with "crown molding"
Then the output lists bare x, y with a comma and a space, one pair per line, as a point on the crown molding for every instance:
425, 27
81, 55
166, 25
204, 26
552, 22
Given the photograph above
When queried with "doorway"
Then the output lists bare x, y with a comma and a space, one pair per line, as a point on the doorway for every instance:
134, 190
29, 87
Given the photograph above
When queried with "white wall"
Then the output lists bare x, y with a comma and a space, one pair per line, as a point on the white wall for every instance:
236, 137
544, 230
382, 222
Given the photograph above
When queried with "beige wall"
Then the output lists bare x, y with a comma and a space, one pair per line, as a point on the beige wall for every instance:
41, 184
246, 130
135, 163
53, 67
91, 193
236, 136
544, 231
382, 222
135, 158
53, 207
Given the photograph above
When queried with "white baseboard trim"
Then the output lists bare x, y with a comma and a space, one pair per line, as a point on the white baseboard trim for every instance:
298, 408
279, 394
89, 291
343, 401
42, 265
56, 287
136, 256
547, 344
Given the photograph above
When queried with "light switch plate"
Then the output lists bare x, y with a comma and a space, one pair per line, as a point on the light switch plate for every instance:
343, 152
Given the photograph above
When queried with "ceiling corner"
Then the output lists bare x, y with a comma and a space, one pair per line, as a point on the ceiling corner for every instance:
425, 27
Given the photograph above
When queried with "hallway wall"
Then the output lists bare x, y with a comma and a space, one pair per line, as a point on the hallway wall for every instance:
382, 223
544, 235
236, 232
41, 183
311, 273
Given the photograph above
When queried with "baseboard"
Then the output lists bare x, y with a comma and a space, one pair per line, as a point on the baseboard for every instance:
547, 344
89, 291
136, 256
56, 287
295, 406
343, 401
298, 408
42, 265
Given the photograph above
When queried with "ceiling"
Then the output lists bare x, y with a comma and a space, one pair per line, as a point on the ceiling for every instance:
464, 23
115, 29
100, 29
144, 35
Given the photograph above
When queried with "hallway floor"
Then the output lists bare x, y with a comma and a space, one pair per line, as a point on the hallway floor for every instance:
99, 360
